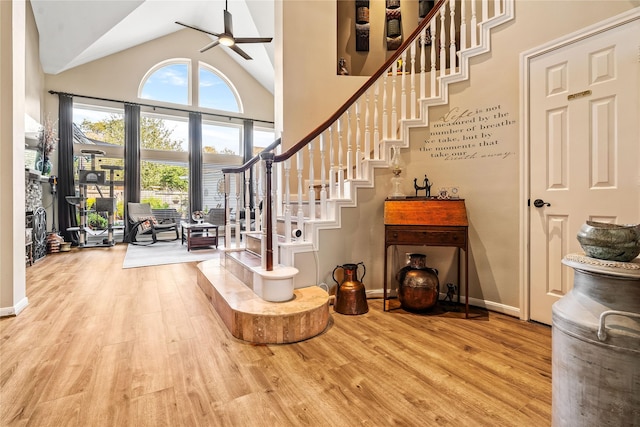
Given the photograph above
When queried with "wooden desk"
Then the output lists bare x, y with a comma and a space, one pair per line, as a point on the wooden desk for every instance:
428, 222
198, 235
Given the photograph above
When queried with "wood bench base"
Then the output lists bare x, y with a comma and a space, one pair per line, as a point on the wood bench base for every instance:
250, 318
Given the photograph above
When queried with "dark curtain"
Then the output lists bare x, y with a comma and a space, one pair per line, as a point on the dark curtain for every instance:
195, 161
131, 157
66, 186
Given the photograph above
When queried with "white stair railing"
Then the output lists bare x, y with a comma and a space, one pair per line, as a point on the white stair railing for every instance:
371, 120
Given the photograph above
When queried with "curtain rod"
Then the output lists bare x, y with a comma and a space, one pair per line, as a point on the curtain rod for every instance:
182, 110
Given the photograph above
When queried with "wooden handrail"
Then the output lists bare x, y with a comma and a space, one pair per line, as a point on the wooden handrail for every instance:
252, 161
383, 69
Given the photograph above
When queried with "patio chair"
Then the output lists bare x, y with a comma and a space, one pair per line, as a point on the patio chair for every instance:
143, 222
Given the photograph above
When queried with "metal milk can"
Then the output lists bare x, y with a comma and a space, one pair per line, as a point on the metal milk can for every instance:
596, 345
351, 296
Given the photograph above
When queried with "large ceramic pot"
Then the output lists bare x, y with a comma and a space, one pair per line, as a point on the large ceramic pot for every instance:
610, 242
419, 285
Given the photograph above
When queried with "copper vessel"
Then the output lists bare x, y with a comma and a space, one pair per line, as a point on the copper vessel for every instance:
419, 285
351, 296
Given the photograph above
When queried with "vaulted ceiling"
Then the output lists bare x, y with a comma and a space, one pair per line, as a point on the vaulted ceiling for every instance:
74, 32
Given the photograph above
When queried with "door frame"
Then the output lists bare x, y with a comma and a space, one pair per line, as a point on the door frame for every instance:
525, 143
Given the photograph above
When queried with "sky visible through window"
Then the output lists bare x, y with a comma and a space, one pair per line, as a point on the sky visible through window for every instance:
170, 84
215, 92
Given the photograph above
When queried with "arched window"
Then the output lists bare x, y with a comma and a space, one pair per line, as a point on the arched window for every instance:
216, 92
168, 82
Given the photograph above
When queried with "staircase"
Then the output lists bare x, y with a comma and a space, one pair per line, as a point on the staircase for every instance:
307, 186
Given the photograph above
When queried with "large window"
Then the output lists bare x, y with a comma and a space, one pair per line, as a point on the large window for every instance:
165, 160
98, 145
164, 167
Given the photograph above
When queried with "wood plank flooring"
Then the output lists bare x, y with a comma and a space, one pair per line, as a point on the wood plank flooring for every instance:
103, 346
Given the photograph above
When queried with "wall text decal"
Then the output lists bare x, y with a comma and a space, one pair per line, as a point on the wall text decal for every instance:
470, 133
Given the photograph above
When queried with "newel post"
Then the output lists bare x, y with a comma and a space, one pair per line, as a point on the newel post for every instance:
268, 209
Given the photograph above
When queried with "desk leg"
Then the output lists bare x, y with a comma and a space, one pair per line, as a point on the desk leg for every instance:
384, 292
459, 274
466, 283
466, 280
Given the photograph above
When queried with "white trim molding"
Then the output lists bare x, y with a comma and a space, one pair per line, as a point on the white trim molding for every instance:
16, 309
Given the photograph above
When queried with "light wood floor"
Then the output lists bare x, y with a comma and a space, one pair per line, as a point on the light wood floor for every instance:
103, 346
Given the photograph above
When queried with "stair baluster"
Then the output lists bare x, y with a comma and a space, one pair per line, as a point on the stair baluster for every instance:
367, 130
287, 201
452, 37
349, 175
340, 179
358, 137
432, 43
413, 80
443, 42
376, 131
247, 200
300, 212
323, 180
311, 188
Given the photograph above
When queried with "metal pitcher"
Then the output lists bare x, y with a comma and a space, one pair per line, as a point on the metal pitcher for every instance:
351, 296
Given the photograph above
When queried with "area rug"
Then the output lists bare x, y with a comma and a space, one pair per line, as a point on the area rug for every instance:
165, 252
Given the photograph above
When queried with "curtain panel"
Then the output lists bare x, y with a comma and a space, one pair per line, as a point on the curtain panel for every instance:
66, 186
131, 158
195, 161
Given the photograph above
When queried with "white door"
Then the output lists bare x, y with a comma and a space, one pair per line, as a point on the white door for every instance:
584, 155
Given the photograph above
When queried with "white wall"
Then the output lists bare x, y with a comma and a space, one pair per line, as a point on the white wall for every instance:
12, 109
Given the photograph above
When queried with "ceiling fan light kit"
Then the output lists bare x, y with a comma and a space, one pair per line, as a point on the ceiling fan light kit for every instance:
227, 38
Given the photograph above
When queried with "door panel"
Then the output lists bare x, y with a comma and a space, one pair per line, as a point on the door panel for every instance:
584, 156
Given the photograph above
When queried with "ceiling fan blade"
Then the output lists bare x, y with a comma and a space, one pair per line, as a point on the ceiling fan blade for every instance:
254, 39
239, 51
228, 23
198, 29
209, 46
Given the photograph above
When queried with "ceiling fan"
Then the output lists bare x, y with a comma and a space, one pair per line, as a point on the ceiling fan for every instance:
227, 38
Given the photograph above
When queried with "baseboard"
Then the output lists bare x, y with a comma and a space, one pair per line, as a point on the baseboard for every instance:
489, 305
497, 307
16, 309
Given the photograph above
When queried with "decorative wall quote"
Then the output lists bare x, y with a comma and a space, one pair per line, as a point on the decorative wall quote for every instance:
471, 133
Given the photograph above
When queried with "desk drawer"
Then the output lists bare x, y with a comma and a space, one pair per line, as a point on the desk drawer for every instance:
438, 236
